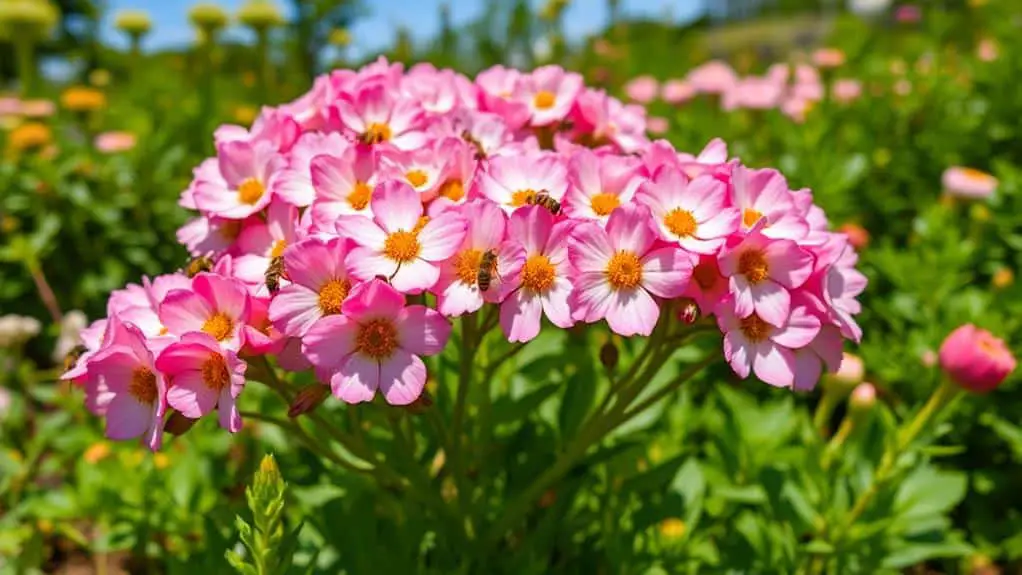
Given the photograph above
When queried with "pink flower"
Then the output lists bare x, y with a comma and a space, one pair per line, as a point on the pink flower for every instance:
318, 273
606, 120
707, 287
458, 291
754, 345
657, 125
435, 90
829, 57
113, 142
711, 160
376, 114
550, 93
375, 344
260, 335
344, 184
764, 195
841, 283
396, 244
846, 89
543, 285
677, 92
975, 359
642, 89
599, 184
498, 90
713, 77
968, 183
201, 377
216, 305
987, 50
761, 271
514, 181
249, 171
458, 174
38, 108
621, 269
134, 392
753, 93
209, 235
694, 213
260, 242
273, 126
908, 14
422, 169
294, 183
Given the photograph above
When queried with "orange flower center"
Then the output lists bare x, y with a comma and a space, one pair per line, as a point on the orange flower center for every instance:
705, 275
417, 178
753, 265
755, 329
402, 246
522, 197
423, 220
250, 191
332, 295
143, 385
605, 203
214, 372
453, 190
976, 175
219, 326
376, 338
376, 133
360, 196
624, 271
544, 99
681, 222
278, 248
538, 273
750, 217
466, 265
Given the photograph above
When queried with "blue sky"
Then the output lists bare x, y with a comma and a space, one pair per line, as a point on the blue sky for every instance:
376, 29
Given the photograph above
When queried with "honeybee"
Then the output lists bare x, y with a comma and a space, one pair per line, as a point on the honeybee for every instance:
487, 269
544, 199
72, 357
468, 137
274, 272
198, 265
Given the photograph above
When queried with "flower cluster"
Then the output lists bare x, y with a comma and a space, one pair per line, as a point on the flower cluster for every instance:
324, 228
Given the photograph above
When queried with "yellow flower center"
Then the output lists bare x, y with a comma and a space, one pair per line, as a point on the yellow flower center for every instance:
466, 265
219, 326
544, 99
402, 246
750, 217
522, 197
605, 203
624, 271
250, 191
976, 175
278, 248
376, 338
332, 295
538, 273
143, 385
754, 329
360, 196
705, 276
417, 178
453, 190
753, 265
376, 133
681, 222
214, 372
423, 220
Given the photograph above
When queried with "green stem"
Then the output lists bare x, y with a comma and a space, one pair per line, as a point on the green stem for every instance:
265, 71
824, 410
24, 50
469, 342
835, 443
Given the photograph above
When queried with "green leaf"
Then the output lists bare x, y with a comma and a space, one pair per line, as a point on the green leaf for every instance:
579, 396
928, 491
656, 479
508, 410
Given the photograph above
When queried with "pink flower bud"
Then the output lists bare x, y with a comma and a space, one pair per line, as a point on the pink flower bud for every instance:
975, 359
688, 312
863, 397
851, 370
928, 358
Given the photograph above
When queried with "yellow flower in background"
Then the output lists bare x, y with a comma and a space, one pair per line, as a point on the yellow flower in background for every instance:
99, 78
244, 115
340, 37
671, 528
82, 99
1003, 278
161, 461
97, 452
29, 136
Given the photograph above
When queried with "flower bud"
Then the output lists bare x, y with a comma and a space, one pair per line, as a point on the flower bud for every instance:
928, 358
133, 22
975, 360
863, 397
848, 375
857, 235
308, 399
609, 355
207, 17
260, 14
688, 312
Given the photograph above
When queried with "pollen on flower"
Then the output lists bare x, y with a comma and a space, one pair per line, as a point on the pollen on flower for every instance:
755, 329
604, 203
219, 326
466, 265
681, 222
417, 178
453, 190
544, 99
376, 338
750, 217
705, 275
360, 196
376, 133
143, 385
214, 372
753, 265
538, 273
250, 190
402, 246
332, 295
423, 220
624, 270
278, 248
522, 197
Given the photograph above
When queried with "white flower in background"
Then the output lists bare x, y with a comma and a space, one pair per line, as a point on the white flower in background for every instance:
17, 329
868, 7
74, 322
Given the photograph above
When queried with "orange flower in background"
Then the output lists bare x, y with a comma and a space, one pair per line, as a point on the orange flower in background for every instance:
29, 137
82, 99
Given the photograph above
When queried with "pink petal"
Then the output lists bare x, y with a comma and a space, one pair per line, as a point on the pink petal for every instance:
396, 206
789, 264
458, 299
808, 368
736, 351
628, 229
415, 276
774, 364
555, 303
421, 330
632, 312
183, 311
189, 394
362, 231
593, 296
367, 263
441, 237
126, 417
227, 412
531, 226
520, 316
590, 248
226, 295
402, 377
666, 272
357, 380
771, 301
294, 309
801, 328
330, 341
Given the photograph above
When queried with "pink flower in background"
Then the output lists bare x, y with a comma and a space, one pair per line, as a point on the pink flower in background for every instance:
375, 344
692, 213
260, 335
642, 89
216, 305
621, 269
908, 14
398, 243
657, 125
113, 142
344, 184
202, 376
796, 108
713, 77
752, 345
249, 171
317, 269
377, 115
968, 183
903, 87
987, 50
38, 108
544, 283
514, 181
499, 88
846, 90
975, 359
599, 184
753, 93
764, 194
711, 160
606, 120
10, 106
677, 92
829, 57
549, 92
761, 273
